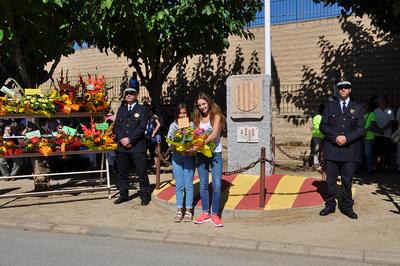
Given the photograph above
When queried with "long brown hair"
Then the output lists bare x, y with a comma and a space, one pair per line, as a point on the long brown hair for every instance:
214, 110
178, 110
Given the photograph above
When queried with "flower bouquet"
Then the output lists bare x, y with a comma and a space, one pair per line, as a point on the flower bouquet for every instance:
8, 147
36, 104
36, 144
95, 93
185, 138
98, 139
66, 97
64, 142
4, 106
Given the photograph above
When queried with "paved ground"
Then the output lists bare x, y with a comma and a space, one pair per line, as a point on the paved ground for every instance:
373, 238
20, 248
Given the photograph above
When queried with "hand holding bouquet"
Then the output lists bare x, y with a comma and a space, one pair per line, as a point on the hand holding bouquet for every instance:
185, 139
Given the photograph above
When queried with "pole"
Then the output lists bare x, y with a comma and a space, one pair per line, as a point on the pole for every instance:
158, 165
262, 178
267, 37
273, 154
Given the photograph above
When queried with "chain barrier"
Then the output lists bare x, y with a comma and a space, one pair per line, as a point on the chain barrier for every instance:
287, 154
295, 169
164, 157
243, 169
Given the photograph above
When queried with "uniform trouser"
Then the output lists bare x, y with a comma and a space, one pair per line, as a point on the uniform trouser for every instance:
138, 159
346, 171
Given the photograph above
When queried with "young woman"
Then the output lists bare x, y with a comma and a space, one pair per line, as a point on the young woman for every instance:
208, 115
183, 166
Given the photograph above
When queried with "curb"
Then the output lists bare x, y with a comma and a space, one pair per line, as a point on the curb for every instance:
365, 256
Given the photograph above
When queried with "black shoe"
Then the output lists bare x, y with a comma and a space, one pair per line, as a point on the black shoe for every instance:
350, 213
120, 200
326, 211
145, 202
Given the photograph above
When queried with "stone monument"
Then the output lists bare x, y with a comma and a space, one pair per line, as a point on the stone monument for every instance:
249, 121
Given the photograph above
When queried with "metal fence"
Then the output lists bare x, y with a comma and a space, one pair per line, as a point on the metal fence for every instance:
303, 99
285, 11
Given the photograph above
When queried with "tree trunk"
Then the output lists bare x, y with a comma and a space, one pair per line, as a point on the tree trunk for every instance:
41, 166
155, 90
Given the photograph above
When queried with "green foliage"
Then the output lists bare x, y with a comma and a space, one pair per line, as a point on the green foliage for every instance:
385, 14
35, 33
156, 35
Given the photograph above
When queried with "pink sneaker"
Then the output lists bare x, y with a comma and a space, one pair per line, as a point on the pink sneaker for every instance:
204, 217
215, 220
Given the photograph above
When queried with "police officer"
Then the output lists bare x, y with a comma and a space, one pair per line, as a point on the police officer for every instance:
342, 125
130, 125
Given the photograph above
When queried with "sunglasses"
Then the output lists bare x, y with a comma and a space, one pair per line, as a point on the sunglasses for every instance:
130, 93
343, 87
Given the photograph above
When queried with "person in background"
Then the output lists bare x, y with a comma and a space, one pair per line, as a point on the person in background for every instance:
317, 138
342, 125
133, 82
17, 163
383, 143
370, 127
183, 166
208, 116
111, 155
4, 162
153, 136
396, 140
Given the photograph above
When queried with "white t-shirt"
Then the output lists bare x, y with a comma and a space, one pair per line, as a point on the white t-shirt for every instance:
382, 118
207, 127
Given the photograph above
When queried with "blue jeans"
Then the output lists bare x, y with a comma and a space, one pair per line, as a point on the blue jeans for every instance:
369, 155
183, 169
203, 165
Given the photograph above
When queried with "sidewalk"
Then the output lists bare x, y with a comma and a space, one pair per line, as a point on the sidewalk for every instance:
373, 238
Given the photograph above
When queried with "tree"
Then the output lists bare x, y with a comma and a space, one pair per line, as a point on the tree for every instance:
35, 33
384, 14
156, 35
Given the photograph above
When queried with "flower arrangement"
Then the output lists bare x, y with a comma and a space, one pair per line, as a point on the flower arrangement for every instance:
4, 106
8, 147
95, 93
98, 139
64, 142
36, 144
36, 104
185, 138
66, 97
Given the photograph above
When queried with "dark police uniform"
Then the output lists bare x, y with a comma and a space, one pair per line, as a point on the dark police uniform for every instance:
132, 125
341, 160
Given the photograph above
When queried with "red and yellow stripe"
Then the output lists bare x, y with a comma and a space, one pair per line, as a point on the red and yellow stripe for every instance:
241, 192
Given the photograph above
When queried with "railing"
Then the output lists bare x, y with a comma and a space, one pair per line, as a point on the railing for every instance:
284, 11
304, 98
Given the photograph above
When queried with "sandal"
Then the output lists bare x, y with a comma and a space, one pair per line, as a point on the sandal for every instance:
178, 216
188, 215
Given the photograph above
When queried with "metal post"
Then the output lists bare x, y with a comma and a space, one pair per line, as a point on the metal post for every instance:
273, 154
158, 165
262, 178
267, 37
